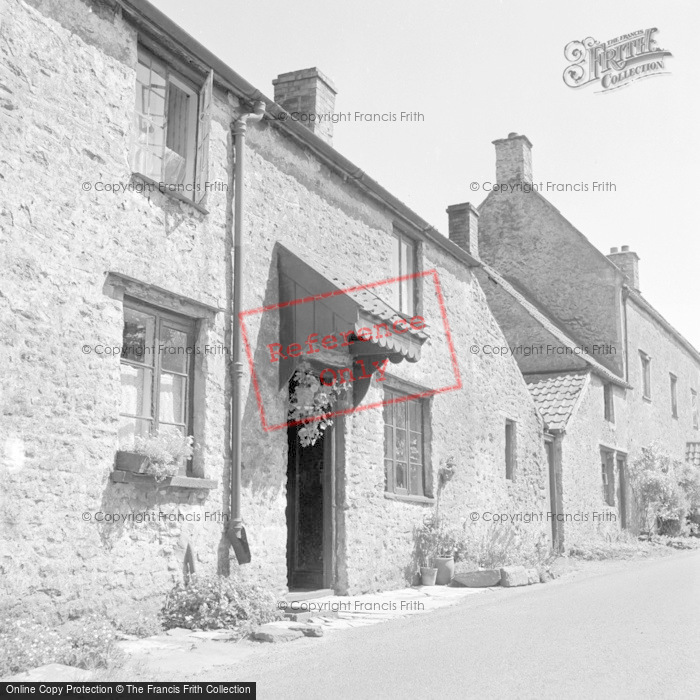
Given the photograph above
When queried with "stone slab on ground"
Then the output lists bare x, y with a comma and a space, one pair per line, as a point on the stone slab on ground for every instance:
276, 633
308, 630
477, 579
53, 673
533, 576
512, 576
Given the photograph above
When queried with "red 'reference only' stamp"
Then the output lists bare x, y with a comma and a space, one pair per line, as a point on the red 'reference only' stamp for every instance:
383, 333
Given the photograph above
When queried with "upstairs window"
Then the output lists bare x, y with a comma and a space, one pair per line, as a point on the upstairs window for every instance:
674, 395
694, 408
172, 128
510, 449
404, 452
609, 402
403, 262
156, 372
646, 375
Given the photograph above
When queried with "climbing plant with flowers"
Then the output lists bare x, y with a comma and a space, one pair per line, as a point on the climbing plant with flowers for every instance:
310, 402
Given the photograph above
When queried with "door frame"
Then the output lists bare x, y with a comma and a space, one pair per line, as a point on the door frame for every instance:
329, 490
552, 444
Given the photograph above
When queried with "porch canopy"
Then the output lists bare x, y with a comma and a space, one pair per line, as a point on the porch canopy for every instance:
316, 304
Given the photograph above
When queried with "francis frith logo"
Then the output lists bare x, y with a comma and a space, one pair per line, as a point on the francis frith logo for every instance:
615, 63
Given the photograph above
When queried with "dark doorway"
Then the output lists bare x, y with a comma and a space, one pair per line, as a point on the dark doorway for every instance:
622, 472
553, 494
309, 512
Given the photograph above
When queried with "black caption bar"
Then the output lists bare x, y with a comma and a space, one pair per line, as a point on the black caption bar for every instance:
71, 690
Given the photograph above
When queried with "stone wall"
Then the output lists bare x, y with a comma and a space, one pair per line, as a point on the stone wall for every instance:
65, 120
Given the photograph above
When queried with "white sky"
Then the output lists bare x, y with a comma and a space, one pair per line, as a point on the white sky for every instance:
479, 70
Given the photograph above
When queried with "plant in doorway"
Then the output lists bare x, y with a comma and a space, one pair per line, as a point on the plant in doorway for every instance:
310, 403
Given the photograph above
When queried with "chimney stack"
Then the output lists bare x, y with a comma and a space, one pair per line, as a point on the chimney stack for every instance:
628, 262
310, 97
513, 159
464, 227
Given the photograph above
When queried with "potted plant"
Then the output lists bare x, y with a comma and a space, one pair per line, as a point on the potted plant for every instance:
426, 549
160, 455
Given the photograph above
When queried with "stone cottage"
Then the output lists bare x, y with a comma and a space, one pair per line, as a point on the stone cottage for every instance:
124, 199
608, 372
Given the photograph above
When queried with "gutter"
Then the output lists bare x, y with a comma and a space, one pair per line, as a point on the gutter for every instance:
236, 532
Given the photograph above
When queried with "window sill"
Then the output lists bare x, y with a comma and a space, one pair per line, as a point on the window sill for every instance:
182, 482
647, 399
167, 193
409, 499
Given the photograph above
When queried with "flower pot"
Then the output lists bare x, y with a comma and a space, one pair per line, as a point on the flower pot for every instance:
427, 576
131, 462
445, 570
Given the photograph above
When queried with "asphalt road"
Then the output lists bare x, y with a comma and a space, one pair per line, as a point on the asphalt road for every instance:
617, 629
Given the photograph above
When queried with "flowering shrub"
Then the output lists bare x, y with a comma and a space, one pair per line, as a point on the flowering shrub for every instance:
218, 602
310, 402
664, 488
87, 643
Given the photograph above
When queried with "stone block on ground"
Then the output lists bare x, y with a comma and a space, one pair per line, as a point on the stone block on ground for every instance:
308, 630
477, 579
273, 633
533, 576
512, 576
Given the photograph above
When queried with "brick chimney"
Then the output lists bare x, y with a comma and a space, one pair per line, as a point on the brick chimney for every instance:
464, 227
628, 262
513, 159
307, 94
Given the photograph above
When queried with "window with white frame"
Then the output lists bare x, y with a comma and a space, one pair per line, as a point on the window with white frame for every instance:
404, 449
156, 372
646, 375
403, 262
674, 395
172, 119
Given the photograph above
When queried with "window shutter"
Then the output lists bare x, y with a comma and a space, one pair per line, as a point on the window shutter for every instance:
205, 99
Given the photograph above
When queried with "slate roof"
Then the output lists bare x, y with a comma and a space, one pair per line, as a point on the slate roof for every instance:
556, 396
552, 327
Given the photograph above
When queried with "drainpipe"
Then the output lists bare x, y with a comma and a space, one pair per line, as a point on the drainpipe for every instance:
236, 533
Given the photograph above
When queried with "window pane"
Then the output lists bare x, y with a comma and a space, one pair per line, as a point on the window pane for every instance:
388, 409
400, 414
171, 407
129, 428
415, 447
173, 350
400, 451
401, 476
415, 415
392, 288
407, 285
388, 442
138, 337
416, 479
136, 390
